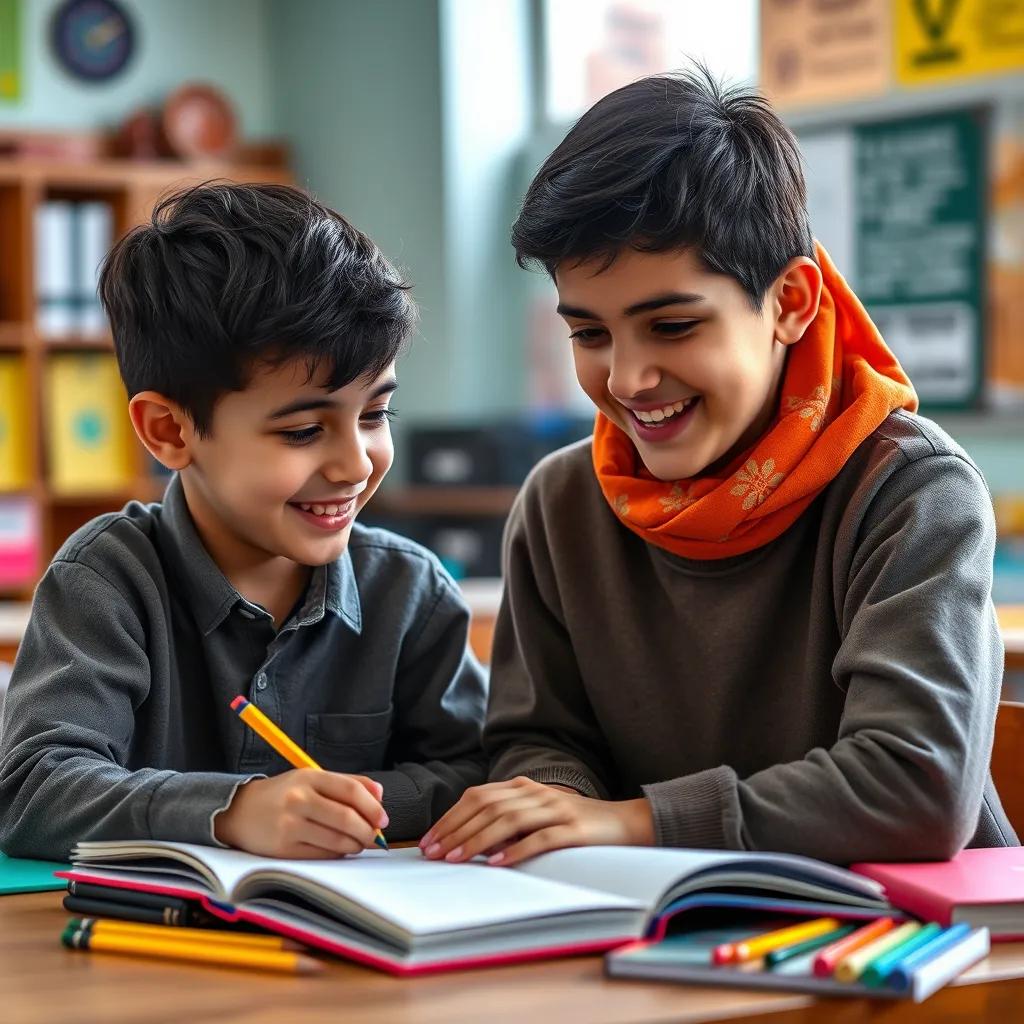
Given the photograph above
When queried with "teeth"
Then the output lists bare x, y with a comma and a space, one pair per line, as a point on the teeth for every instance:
321, 510
664, 413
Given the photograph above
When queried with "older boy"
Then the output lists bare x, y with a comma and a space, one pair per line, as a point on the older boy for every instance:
753, 612
256, 332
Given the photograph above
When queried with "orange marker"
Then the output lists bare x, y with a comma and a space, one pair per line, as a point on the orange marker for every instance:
285, 746
825, 962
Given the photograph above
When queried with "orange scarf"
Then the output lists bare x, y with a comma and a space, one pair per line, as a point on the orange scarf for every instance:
840, 383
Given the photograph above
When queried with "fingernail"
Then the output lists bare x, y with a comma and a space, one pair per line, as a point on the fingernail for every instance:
434, 850
496, 859
426, 841
384, 819
455, 854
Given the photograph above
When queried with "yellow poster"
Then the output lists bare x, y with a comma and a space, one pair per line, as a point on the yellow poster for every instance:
90, 437
942, 40
14, 424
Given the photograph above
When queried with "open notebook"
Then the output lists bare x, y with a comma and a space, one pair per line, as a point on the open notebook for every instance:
407, 915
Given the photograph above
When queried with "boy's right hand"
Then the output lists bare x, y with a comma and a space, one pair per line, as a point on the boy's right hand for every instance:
303, 813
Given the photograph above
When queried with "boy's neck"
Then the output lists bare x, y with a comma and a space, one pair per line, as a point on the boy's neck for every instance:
264, 579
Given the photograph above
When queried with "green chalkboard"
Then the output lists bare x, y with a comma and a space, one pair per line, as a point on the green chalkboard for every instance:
920, 247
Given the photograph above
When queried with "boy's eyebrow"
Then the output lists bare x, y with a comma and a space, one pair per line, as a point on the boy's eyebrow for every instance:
309, 404
657, 302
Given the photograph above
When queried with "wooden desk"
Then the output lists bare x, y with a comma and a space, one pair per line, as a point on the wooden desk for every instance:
43, 983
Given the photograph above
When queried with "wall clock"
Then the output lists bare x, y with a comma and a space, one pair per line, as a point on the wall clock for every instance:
92, 39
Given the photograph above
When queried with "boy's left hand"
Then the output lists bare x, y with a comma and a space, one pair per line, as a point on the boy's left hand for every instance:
514, 820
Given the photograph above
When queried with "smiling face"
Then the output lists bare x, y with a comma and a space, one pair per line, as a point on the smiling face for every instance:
674, 355
287, 466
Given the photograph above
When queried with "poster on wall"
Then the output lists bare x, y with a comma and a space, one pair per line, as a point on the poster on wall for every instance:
920, 229
945, 40
818, 51
10, 50
901, 206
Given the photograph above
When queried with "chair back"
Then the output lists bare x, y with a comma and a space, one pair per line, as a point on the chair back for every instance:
1008, 762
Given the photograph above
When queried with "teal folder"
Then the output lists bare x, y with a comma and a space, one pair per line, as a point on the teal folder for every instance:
29, 875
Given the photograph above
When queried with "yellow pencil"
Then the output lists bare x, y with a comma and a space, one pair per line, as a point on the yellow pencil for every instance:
757, 946
852, 967
286, 747
106, 926
207, 953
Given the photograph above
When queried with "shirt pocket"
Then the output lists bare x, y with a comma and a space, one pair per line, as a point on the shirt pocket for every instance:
349, 743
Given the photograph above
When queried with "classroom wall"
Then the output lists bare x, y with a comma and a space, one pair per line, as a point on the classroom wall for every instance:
359, 100
224, 42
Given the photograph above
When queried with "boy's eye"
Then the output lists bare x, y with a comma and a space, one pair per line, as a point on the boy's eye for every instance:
303, 436
674, 328
588, 336
377, 416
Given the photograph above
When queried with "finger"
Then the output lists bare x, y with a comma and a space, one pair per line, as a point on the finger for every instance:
517, 821
338, 844
345, 789
556, 838
372, 786
470, 804
306, 851
339, 818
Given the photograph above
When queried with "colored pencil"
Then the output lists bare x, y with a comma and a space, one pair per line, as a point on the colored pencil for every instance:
787, 953
206, 953
850, 968
283, 744
878, 970
757, 946
826, 960
248, 940
902, 974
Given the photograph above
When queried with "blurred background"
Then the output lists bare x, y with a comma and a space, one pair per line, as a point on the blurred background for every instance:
422, 121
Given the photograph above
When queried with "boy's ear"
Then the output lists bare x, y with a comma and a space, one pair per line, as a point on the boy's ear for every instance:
796, 294
163, 427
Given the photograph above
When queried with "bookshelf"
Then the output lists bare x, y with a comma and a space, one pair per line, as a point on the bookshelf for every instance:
33, 364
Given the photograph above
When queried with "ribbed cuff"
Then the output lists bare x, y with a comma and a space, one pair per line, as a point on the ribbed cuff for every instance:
564, 775
183, 806
699, 810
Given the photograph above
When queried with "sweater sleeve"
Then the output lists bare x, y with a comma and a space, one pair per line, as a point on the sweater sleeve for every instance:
539, 721
68, 725
920, 660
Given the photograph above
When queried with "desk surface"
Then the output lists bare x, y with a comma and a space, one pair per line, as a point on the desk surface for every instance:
43, 983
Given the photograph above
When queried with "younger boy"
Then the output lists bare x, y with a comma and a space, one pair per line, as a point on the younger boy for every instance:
256, 332
754, 611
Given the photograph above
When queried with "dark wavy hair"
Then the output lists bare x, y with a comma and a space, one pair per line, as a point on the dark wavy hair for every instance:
672, 161
227, 277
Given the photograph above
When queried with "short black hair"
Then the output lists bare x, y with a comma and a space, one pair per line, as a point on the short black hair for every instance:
226, 277
668, 162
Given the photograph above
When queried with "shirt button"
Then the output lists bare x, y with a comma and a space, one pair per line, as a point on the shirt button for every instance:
245, 613
261, 682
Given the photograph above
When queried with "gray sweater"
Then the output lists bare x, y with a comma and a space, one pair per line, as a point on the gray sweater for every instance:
118, 726
832, 693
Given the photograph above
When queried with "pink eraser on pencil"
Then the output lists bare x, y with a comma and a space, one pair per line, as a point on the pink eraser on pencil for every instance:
239, 703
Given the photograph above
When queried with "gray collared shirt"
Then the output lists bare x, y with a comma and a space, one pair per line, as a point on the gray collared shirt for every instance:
117, 723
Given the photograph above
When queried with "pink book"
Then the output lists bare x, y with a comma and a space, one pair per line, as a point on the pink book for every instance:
985, 888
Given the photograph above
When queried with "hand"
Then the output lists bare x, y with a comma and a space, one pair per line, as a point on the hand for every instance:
303, 813
511, 821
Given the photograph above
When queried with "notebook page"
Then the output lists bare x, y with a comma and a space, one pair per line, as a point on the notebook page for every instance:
645, 874
424, 897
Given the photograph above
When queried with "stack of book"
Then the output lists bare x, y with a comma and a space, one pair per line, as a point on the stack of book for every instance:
72, 238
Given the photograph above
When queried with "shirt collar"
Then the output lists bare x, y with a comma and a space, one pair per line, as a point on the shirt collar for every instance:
209, 592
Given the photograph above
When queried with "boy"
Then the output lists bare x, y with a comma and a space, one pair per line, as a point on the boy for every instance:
256, 333
754, 611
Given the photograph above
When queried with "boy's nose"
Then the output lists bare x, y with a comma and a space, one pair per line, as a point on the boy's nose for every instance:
631, 374
349, 464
